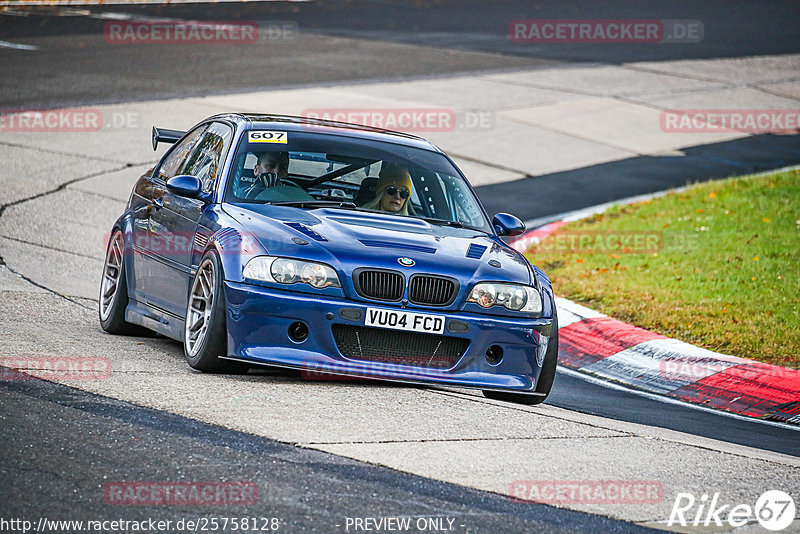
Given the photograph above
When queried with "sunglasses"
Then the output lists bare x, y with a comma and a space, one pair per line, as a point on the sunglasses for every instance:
392, 191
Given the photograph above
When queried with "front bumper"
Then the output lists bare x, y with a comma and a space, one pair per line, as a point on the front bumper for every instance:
258, 321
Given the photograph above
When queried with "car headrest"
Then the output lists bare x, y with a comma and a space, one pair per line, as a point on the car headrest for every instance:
367, 191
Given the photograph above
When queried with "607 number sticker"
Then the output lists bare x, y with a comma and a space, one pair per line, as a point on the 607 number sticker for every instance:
262, 136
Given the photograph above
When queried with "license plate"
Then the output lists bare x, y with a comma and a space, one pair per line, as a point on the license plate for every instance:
402, 320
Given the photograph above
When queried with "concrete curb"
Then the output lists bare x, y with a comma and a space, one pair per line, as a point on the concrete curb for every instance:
596, 344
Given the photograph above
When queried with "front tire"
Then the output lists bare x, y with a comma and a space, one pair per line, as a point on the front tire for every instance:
546, 376
205, 336
114, 292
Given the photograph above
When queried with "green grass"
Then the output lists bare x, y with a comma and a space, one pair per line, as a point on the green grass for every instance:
722, 270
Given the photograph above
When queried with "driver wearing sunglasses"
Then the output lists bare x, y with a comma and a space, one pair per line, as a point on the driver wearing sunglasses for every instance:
392, 191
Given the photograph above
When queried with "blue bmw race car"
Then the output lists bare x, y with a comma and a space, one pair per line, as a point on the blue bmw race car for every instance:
329, 247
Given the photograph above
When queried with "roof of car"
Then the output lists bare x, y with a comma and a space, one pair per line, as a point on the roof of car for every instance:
310, 124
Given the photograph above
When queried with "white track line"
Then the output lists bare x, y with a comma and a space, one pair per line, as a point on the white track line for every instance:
670, 400
127, 3
6, 44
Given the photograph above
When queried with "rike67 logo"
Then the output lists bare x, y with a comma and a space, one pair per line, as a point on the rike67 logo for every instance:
774, 510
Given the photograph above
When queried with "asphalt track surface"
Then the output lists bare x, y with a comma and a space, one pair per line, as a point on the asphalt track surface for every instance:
346, 42
101, 440
560, 192
368, 40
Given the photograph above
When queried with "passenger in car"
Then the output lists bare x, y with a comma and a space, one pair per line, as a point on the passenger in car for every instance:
270, 169
392, 191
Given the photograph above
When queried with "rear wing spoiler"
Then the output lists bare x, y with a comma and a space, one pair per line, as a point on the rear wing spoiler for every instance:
162, 135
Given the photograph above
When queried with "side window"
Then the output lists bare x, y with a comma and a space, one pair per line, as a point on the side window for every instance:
176, 159
206, 158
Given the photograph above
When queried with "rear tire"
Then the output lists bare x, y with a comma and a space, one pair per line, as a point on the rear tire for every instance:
205, 336
546, 377
114, 292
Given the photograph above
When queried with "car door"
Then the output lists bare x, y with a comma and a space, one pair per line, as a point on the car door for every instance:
152, 270
178, 219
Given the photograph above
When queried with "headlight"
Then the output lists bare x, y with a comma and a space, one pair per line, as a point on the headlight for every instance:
515, 297
289, 271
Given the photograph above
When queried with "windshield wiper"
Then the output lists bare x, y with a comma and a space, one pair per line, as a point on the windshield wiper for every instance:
443, 222
454, 224
316, 204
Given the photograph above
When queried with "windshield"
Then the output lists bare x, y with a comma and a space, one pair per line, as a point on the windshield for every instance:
354, 177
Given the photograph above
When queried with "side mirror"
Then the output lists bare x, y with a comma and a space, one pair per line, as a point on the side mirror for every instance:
185, 186
506, 224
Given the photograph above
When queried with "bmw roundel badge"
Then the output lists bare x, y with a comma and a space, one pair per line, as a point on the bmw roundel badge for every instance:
405, 262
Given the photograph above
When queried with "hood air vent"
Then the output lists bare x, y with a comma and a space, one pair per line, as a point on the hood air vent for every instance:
303, 229
475, 251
